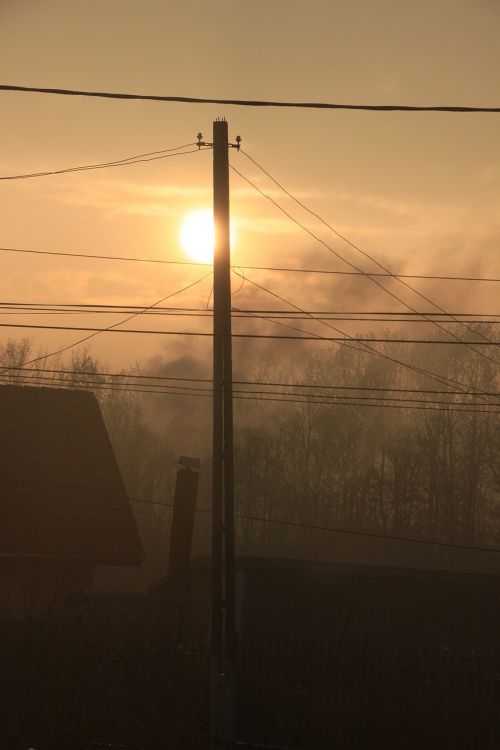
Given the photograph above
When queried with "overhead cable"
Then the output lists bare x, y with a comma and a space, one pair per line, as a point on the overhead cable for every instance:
261, 397
126, 162
367, 349
277, 269
360, 270
111, 327
265, 383
367, 255
44, 310
78, 379
249, 102
264, 519
278, 337
360, 315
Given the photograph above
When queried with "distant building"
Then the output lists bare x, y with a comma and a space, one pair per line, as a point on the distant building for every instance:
63, 504
392, 590
342, 603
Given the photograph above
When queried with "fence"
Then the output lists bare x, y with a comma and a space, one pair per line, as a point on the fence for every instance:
311, 695
111, 683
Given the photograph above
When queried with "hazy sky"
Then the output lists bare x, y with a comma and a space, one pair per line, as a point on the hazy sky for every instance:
418, 190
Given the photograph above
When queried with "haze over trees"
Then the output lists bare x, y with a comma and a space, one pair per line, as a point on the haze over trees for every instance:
429, 472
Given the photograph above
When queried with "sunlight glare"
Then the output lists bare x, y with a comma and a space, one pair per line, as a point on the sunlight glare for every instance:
197, 235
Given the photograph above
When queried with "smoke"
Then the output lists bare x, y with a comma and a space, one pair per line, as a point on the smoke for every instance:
184, 419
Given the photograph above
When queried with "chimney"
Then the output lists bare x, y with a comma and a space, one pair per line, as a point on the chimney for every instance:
181, 533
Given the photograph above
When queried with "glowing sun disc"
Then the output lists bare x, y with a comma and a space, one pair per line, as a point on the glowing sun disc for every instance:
197, 236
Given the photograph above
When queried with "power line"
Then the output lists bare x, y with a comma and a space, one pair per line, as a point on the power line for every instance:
110, 327
357, 319
244, 395
354, 266
335, 529
168, 388
279, 269
474, 410
100, 385
65, 254
113, 375
105, 165
432, 406
95, 332
263, 383
372, 534
370, 350
264, 519
286, 314
249, 102
355, 312
360, 400
129, 160
362, 339
332, 272
370, 257
365, 254
278, 337
238, 314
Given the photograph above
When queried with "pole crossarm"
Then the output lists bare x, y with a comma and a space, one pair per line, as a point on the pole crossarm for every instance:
200, 142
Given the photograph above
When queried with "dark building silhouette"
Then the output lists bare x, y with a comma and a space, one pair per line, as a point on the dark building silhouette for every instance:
342, 603
63, 505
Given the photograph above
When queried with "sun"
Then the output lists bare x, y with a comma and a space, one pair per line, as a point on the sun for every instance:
197, 235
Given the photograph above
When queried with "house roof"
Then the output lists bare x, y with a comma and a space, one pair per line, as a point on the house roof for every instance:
61, 493
261, 566
465, 564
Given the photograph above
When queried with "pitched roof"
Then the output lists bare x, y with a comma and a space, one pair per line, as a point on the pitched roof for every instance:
61, 493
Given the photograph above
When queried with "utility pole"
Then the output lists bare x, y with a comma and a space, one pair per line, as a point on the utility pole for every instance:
223, 625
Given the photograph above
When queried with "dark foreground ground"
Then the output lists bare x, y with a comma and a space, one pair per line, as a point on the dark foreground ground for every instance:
107, 680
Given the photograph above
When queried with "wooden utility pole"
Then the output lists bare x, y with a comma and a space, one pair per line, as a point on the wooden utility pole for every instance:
223, 625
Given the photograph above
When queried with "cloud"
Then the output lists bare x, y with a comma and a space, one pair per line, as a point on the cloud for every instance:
122, 196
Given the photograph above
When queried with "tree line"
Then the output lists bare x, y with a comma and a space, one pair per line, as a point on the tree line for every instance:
362, 462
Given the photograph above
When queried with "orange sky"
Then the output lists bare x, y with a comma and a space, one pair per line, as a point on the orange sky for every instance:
418, 190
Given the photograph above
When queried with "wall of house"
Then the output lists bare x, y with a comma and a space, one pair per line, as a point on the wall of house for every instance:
31, 587
343, 604
388, 607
